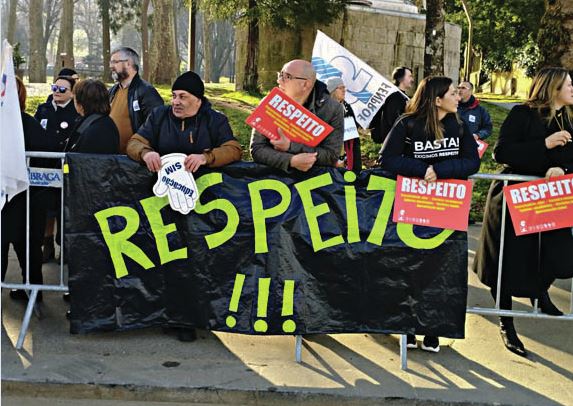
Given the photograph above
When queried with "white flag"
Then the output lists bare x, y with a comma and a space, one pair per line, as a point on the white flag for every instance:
13, 170
366, 89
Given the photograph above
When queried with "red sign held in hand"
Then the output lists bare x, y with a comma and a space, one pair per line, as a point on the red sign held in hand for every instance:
277, 110
540, 205
444, 203
482, 146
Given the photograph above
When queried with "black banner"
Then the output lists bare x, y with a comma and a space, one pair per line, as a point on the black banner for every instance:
263, 253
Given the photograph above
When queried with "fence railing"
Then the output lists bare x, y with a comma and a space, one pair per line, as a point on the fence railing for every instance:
33, 289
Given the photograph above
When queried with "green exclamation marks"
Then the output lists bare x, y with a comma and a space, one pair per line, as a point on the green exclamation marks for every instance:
234, 305
260, 325
289, 326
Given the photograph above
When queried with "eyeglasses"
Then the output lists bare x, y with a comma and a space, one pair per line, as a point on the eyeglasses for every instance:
463, 88
116, 61
61, 89
285, 76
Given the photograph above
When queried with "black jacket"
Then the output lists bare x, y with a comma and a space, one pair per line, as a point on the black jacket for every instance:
328, 151
384, 120
146, 96
527, 271
58, 123
168, 134
409, 150
101, 137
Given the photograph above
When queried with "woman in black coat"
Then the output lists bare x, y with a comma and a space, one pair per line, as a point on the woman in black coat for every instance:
431, 142
95, 132
535, 139
14, 211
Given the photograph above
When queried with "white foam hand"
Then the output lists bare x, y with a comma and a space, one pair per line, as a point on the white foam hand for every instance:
177, 183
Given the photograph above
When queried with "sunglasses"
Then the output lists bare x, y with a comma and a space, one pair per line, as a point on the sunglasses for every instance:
61, 89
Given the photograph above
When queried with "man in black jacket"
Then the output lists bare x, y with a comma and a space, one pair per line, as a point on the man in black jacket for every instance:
131, 98
394, 105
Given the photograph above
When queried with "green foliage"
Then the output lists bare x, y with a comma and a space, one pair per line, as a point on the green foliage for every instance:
501, 28
278, 13
529, 57
17, 57
552, 37
121, 12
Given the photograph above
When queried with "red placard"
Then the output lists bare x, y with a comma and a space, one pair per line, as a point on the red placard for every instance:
444, 203
482, 146
277, 110
541, 205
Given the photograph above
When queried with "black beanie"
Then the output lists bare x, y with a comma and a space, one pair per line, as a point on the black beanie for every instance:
67, 72
190, 82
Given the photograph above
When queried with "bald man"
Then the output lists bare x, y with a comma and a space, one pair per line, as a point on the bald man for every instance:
297, 79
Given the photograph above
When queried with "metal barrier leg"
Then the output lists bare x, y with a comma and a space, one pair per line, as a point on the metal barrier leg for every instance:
298, 348
27, 317
403, 353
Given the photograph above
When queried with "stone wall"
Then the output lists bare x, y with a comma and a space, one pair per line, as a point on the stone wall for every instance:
382, 38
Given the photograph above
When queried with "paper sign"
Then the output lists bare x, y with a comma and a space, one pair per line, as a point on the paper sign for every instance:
277, 110
350, 130
482, 146
541, 205
177, 183
47, 177
444, 203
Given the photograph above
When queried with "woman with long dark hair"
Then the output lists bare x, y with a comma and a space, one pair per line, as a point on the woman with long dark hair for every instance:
535, 139
431, 142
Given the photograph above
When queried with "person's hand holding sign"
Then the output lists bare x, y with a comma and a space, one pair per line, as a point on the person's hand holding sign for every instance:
303, 162
430, 175
555, 171
558, 139
282, 143
153, 161
194, 161
177, 183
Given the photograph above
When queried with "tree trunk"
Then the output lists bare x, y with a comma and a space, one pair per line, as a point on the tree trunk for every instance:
435, 38
468, 52
37, 59
251, 74
145, 39
106, 41
556, 34
163, 59
65, 53
191, 35
12, 22
176, 33
207, 47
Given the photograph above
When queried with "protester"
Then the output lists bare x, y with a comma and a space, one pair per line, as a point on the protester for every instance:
57, 117
95, 132
474, 115
535, 139
431, 116
132, 98
190, 126
352, 159
67, 73
14, 211
394, 105
297, 79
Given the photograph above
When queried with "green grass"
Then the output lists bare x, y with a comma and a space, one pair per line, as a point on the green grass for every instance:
498, 98
237, 105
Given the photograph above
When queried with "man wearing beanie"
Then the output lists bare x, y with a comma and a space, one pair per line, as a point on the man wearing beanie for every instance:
297, 79
189, 126
131, 98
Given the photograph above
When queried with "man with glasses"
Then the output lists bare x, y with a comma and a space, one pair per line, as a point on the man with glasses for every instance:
297, 79
131, 98
475, 116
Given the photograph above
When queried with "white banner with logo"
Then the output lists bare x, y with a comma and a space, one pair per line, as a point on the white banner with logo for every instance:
46, 177
366, 89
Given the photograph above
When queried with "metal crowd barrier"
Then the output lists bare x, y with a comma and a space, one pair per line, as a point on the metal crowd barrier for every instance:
62, 286
32, 289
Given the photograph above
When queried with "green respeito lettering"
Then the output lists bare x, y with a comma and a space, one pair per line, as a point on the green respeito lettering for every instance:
216, 239
312, 212
118, 243
260, 214
152, 207
389, 187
